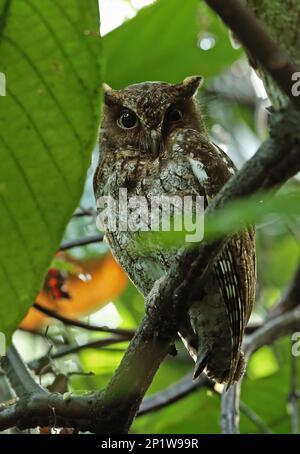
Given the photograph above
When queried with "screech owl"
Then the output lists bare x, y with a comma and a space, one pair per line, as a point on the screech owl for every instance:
153, 141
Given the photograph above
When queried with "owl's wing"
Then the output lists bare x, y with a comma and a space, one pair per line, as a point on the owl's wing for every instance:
234, 268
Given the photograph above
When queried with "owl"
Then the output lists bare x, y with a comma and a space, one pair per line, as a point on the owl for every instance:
153, 142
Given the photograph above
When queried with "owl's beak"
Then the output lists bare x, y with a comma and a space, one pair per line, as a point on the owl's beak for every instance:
155, 142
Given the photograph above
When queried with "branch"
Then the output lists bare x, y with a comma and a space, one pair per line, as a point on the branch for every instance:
38, 407
272, 330
81, 242
230, 404
127, 333
34, 332
187, 386
262, 426
19, 375
39, 364
70, 411
290, 298
49, 409
174, 393
282, 320
258, 42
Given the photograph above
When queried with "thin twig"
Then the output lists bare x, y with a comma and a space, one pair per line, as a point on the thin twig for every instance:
187, 386
272, 329
184, 388
42, 335
230, 415
81, 242
39, 364
127, 333
98, 344
290, 297
255, 418
174, 393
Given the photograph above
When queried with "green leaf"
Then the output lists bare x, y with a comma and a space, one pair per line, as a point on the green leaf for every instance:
161, 43
50, 53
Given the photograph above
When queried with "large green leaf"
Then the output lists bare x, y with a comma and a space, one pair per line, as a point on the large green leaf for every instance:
50, 53
161, 43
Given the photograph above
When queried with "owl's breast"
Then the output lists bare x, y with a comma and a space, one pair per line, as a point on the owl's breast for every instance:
142, 182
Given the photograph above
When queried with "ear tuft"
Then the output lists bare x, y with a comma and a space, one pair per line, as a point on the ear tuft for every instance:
111, 96
192, 83
106, 87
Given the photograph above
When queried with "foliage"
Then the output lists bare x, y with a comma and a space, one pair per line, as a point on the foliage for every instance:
49, 120
145, 49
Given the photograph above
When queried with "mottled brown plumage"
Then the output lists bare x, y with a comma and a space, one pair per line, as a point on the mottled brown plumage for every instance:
166, 152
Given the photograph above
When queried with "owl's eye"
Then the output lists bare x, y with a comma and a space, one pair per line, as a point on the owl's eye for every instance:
174, 114
127, 120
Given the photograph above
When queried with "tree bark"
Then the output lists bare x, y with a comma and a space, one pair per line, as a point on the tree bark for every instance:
281, 18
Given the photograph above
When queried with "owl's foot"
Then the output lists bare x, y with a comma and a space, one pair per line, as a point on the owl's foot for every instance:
152, 297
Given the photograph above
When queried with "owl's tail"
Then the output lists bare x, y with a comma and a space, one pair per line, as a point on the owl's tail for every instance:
213, 371
214, 361
201, 362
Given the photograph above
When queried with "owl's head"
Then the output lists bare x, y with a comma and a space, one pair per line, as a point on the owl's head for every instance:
141, 117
